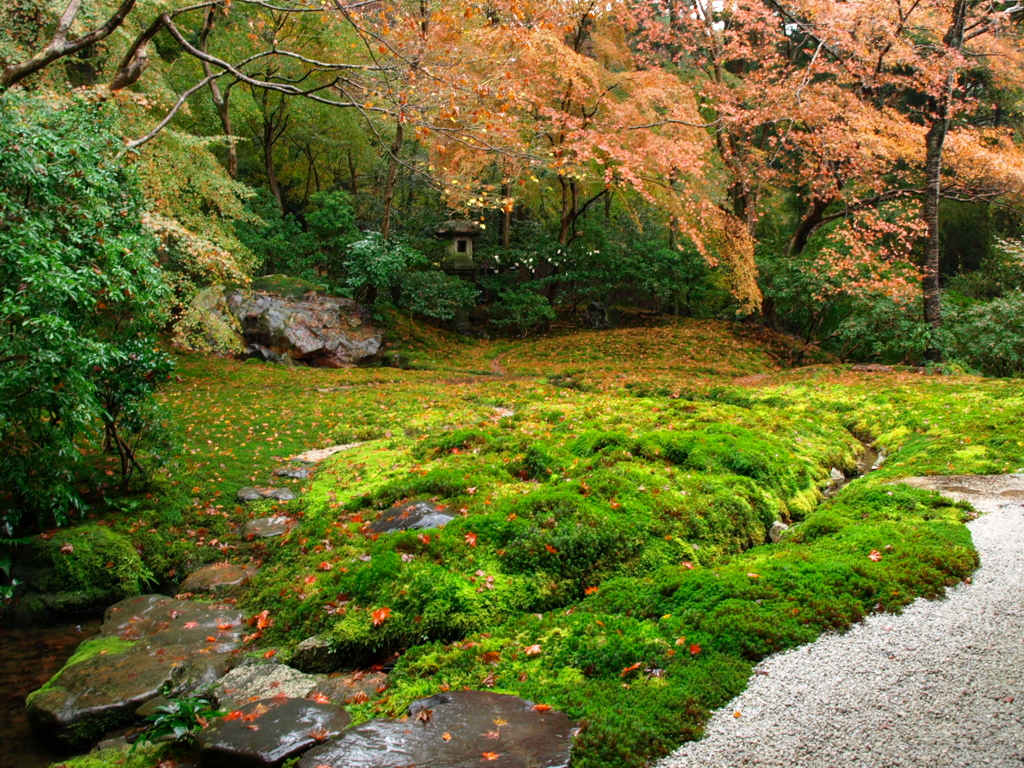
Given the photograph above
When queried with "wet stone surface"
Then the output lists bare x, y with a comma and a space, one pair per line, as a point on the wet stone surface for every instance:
353, 688
251, 682
251, 493
316, 654
218, 578
180, 647
268, 732
482, 728
411, 516
267, 527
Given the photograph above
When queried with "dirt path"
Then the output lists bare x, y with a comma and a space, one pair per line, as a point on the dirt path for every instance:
939, 686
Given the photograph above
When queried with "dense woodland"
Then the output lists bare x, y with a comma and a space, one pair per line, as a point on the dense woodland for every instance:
736, 186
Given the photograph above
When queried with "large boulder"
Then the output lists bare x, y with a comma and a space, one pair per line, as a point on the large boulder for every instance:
251, 682
317, 330
147, 646
208, 324
461, 729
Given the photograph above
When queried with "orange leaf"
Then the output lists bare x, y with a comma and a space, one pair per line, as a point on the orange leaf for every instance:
380, 616
471, 539
320, 698
551, 549
491, 755
542, 707
695, 649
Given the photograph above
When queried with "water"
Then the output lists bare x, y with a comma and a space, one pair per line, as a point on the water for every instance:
28, 658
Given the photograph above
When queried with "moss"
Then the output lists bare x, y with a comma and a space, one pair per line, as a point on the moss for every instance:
284, 285
89, 648
146, 756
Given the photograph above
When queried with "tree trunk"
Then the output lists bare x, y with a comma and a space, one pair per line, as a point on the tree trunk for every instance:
506, 216
220, 100
389, 183
935, 140
352, 172
808, 223
268, 163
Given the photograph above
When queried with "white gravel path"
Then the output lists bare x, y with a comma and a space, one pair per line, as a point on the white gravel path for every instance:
939, 686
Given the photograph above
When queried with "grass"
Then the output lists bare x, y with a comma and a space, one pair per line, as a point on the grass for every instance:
612, 494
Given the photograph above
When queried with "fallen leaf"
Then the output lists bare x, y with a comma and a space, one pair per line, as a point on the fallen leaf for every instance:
491, 755
542, 707
320, 698
380, 616
532, 650
875, 555
446, 736
695, 649
471, 539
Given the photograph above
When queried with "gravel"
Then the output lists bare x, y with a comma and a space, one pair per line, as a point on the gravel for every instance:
941, 684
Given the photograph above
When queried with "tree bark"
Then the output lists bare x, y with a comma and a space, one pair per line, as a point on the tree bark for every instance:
506, 216
352, 172
59, 45
810, 221
220, 100
389, 182
268, 162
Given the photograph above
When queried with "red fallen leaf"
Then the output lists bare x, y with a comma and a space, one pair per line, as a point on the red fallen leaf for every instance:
875, 555
237, 714
424, 715
191, 624
471, 491
532, 650
615, 504
324, 566
471, 539
359, 697
631, 668
262, 620
224, 627
380, 616
542, 707
320, 734
491, 657
270, 653
695, 649
310, 579
211, 639
681, 641
320, 698
489, 681
754, 575
590, 591
67, 548
688, 565
551, 549
446, 736
491, 756
252, 727
424, 538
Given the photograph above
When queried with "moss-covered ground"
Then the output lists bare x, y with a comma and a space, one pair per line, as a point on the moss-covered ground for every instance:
612, 491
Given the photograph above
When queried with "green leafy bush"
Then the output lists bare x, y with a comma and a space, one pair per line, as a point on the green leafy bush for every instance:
80, 295
436, 295
521, 311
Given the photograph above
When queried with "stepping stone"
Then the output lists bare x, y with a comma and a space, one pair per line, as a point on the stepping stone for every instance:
251, 682
525, 738
218, 578
412, 516
318, 455
266, 527
295, 473
263, 734
176, 646
315, 654
353, 688
251, 493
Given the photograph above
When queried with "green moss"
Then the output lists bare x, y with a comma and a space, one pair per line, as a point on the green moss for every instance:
89, 648
146, 756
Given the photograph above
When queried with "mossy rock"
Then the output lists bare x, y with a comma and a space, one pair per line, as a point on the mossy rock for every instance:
75, 571
285, 285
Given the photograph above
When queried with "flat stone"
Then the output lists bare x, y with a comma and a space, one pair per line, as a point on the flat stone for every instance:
411, 516
251, 493
294, 473
266, 527
179, 648
315, 654
836, 476
218, 578
266, 733
353, 688
318, 455
251, 682
526, 738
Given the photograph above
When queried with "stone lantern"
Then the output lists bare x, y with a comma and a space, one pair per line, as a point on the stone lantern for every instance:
458, 251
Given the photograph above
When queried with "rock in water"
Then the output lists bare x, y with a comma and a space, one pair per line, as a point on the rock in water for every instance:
317, 330
147, 645
265, 733
411, 516
481, 727
218, 578
836, 476
353, 688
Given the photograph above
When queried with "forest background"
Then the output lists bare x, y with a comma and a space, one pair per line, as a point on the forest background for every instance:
847, 172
